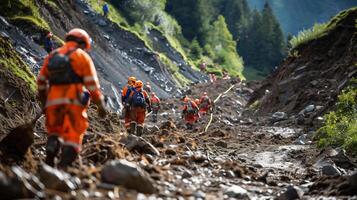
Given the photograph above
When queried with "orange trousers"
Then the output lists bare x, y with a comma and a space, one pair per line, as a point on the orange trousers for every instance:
69, 122
127, 117
137, 115
191, 118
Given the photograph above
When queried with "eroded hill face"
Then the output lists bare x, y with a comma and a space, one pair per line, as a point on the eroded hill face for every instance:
316, 72
117, 53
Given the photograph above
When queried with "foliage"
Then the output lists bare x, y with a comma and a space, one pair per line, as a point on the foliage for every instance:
340, 128
23, 10
304, 36
11, 60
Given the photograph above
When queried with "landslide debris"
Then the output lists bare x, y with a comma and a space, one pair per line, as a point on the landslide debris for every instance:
315, 73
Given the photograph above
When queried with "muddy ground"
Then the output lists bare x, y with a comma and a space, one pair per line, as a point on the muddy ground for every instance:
240, 156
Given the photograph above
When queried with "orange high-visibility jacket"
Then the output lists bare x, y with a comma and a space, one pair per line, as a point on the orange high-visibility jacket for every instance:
83, 66
155, 102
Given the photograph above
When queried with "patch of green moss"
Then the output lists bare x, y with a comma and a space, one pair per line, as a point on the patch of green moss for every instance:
11, 60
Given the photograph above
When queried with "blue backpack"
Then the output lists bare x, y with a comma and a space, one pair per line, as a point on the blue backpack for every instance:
138, 99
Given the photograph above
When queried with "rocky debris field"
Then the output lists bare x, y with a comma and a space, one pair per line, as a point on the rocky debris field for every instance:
240, 156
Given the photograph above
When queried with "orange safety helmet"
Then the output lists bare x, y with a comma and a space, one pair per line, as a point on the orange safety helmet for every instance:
131, 80
138, 84
80, 36
197, 101
152, 93
205, 93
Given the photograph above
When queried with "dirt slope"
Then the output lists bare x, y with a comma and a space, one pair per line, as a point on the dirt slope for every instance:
317, 72
117, 53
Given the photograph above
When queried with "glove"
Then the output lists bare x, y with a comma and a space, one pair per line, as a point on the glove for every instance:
149, 109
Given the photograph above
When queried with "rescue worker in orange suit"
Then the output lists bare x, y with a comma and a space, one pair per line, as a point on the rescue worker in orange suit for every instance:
139, 102
124, 99
190, 112
155, 106
205, 104
66, 81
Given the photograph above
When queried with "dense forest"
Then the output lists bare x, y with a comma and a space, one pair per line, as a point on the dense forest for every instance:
295, 15
224, 34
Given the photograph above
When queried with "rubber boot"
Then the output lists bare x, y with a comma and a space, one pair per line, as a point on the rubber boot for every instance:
139, 130
132, 128
69, 154
53, 146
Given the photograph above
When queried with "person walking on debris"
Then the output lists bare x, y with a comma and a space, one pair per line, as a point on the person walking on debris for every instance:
49, 45
155, 105
147, 87
64, 75
190, 112
205, 104
105, 10
124, 99
139, 102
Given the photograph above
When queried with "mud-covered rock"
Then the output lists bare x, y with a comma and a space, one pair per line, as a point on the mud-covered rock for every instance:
236, 191
330, 170
20, 185
291, 193
129, 175
138, 144
279, 116
57, 180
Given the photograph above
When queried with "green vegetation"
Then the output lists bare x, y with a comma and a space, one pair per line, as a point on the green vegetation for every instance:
340, 128
10, 59
23, 11
304, 36
318, 30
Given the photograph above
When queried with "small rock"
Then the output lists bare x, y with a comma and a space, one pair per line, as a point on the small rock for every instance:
221, 144
102, 22
308, 109
134, 143
237, 192
170, 152
330, 170
186, 174
169, 125
279, 116
55, 179
199, 194
291, 193
122, 172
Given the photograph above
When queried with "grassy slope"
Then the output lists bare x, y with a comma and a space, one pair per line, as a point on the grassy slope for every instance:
11, 60
318, 30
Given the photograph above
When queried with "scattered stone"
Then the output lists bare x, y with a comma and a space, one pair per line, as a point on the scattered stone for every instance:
236, 191
330, 170
129, 175
169, 125
291, 193
102, 22
308, 109
55, 179
138, 144
199, 195
170, 152
20, 185
279, 116
221, 144
186, 174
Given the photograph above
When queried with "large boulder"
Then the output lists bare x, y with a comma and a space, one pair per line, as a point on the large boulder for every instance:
138, 144
129, 175
57, 180
20, 185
